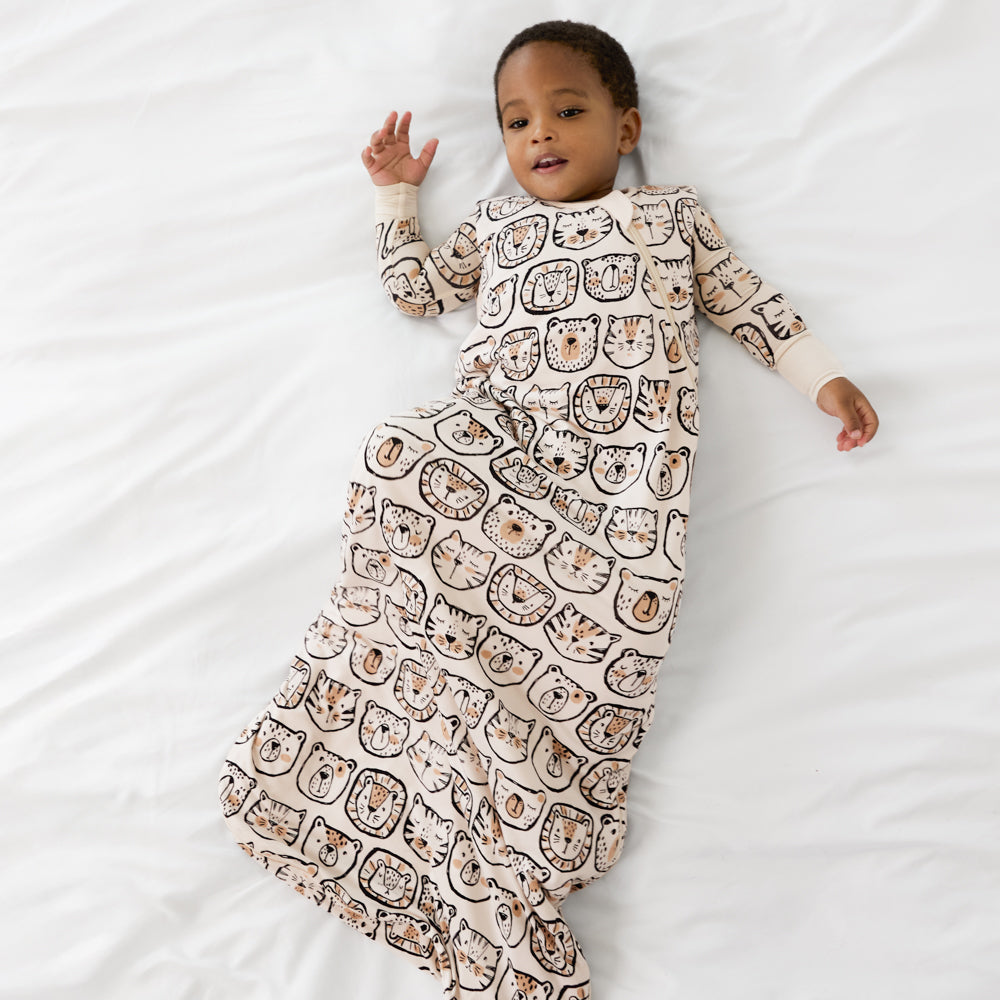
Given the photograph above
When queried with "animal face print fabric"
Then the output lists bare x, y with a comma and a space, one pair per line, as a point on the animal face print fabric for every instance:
448, 755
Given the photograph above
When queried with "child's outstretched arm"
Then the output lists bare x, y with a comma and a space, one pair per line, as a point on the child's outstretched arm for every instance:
418, 280
387, 157
842, 399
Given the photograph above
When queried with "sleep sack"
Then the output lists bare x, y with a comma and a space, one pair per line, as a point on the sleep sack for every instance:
448, 756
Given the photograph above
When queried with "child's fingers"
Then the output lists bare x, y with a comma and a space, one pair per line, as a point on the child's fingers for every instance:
427, 153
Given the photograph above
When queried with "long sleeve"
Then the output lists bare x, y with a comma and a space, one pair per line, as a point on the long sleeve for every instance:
755, 313
418, 280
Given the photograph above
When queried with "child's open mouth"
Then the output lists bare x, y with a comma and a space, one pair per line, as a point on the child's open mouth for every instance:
546, 164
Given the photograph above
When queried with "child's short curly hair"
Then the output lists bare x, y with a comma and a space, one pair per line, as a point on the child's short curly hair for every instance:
604, 53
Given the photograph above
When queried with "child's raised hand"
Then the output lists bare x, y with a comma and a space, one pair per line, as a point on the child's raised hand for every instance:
845, 401
387, 158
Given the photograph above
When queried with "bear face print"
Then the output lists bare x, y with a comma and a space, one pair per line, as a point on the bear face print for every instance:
376, 802
557, 696
462, 433
505, 659
608, 728
331, 704
324, 775
517, 806
381, 732
578, 637
644, 603
405, 531
275, 747
668, 471
554, 762
615, 469
550, 286
629, 340
632, 674
514, 528
452, 631
566, 837
518, 596
465, 873
391, 452
571, 344
373, 564
610, 278
371, 662
333, 850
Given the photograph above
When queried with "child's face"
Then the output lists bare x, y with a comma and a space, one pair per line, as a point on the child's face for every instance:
562, 131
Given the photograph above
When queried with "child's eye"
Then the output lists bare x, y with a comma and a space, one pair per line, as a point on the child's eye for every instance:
570, 112
517, 123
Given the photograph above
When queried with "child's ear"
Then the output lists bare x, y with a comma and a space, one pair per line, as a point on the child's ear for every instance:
630, 127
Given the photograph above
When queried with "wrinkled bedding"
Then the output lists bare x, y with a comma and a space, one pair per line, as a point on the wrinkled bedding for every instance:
195, 342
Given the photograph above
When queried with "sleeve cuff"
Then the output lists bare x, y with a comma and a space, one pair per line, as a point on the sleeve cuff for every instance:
809, 364
396, 201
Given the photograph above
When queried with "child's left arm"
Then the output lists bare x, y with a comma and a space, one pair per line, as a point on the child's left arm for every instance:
842, 399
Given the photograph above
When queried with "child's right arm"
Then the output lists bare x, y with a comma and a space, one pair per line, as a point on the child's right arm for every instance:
419, 281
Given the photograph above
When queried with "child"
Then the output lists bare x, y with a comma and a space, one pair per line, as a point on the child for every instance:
448, 757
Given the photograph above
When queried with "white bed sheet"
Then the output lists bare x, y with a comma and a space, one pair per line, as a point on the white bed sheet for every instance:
194, 342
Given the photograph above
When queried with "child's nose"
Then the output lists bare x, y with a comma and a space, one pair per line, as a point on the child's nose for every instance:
544, 131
